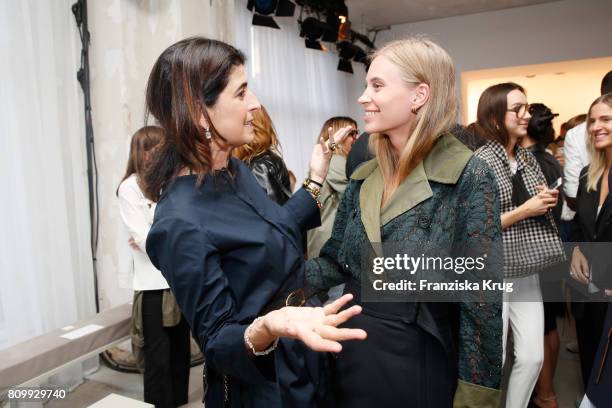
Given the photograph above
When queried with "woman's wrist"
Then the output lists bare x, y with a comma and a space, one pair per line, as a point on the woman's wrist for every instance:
258, 337
521, 213
316, 178
314, 189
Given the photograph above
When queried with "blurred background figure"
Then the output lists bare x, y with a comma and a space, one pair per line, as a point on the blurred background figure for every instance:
335, 183
540, 133
333, 189
160, 334
263, 156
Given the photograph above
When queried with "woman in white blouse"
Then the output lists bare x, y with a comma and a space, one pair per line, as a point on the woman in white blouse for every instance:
165, 332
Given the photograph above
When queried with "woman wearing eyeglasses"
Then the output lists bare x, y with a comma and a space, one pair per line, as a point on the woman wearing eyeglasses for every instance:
529, 234
335, 182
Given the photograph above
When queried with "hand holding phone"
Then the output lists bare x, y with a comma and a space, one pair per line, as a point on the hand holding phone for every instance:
556, 184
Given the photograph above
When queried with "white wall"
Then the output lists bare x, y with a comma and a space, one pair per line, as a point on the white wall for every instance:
126, 39
300, 88
557, 31
568, 88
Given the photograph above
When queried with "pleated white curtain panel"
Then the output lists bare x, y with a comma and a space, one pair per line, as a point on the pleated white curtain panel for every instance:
46, 278
300, 87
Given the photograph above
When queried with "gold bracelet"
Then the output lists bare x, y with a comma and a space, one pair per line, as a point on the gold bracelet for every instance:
309, 181
314, 191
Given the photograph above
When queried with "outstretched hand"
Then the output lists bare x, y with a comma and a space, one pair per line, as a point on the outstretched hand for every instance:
322, 152
316, 326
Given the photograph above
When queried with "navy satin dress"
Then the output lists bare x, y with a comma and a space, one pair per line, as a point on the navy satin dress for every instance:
227, 251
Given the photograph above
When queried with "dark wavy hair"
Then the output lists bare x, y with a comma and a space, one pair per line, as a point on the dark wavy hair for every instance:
186, 78
144, 141
492, 108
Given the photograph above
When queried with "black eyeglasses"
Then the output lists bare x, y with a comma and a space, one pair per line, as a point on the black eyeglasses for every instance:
520, 110
353, 133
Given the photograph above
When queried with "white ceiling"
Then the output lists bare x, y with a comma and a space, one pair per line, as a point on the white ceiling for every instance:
374, 13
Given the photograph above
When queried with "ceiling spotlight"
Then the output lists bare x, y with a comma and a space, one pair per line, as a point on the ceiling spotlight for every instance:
263, 8
315, 45
345, 65
313, 29
264, 21
363, 39
347, 50
285, 9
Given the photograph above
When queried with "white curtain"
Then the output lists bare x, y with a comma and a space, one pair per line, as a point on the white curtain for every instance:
46, 278
300, 87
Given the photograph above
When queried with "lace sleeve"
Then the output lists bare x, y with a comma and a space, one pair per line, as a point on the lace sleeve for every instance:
480, 324
325, 271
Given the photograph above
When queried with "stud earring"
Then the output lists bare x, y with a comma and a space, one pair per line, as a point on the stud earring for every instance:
207, 133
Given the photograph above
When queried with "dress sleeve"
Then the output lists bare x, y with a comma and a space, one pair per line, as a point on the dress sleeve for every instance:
480, 323
573, 163
326, 270
303, 208
576, 232
336, 176
189, 261
134, 212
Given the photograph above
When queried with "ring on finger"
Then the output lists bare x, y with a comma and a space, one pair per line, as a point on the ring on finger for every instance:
333, 146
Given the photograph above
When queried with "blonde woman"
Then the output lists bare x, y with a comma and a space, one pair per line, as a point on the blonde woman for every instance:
262, 155
424, 186
335, 182
591, 268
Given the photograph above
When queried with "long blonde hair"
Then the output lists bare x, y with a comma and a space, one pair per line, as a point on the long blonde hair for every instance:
598, 157
420, 61
265, 138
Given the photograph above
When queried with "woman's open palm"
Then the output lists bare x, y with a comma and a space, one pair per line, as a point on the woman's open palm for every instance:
317, 326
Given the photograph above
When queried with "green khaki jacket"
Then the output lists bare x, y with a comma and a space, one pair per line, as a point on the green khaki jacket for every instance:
451, 199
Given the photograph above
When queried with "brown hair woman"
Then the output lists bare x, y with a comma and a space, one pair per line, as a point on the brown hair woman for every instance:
163, 344
232, 257
263, 156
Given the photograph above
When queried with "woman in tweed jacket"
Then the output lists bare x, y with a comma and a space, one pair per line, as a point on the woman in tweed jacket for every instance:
423, 187
529, 234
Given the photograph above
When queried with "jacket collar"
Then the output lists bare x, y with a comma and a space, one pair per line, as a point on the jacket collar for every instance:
523, 156
444, 164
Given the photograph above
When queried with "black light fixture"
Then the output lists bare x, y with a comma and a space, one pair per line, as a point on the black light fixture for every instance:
363, 39
345, 65
285, 8
264, 21
263, 8
314, 30
348, 51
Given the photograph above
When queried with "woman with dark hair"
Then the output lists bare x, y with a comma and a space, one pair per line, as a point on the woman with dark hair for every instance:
335, 182
233, 257
540, 133
158, 327
530, 236
263, 157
